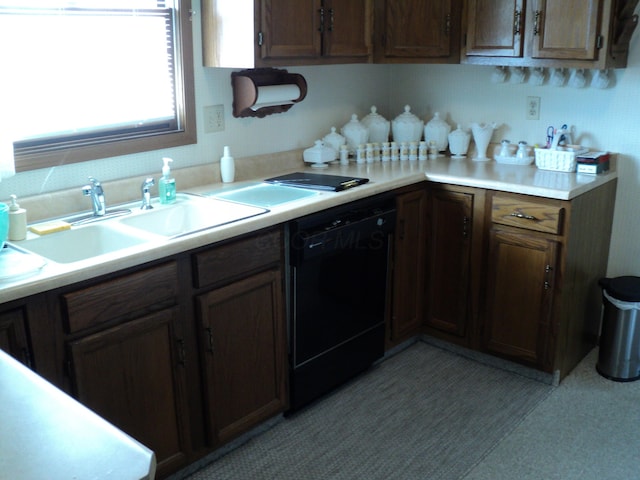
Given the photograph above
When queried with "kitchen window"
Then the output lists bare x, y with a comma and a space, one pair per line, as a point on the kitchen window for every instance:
88, 79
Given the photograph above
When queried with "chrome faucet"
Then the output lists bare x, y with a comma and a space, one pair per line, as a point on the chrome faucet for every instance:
146, 193
94, 190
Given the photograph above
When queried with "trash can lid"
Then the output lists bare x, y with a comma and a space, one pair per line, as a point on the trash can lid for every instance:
625, 288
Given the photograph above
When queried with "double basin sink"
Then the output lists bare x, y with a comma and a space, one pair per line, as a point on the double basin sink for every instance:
129, 226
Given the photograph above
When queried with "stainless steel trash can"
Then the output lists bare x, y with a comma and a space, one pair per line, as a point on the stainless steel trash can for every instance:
619, 355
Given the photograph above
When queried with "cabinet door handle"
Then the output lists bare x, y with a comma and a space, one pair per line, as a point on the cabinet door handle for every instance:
523, 215
536, 22
321, 28
331, 19
547, 274
209, 339
517, 16
182, 356
447, 24
465, 227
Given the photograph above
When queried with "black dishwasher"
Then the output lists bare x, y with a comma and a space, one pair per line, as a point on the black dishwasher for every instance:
339, 266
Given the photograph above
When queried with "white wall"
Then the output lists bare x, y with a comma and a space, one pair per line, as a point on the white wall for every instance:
606, 119
603, 119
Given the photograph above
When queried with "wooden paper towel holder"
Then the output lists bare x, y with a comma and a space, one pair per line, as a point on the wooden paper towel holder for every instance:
245, 84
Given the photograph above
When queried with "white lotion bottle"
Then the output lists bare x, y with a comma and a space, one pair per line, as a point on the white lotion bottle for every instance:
227, 166
17, 221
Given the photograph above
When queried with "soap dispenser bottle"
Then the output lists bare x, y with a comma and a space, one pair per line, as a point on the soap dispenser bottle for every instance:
167, 184
17, 220
227, 166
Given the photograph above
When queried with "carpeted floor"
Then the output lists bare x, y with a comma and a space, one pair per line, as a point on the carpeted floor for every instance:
587, 429
425, 413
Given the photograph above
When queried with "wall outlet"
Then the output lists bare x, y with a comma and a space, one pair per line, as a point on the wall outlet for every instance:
214, 118
533, 108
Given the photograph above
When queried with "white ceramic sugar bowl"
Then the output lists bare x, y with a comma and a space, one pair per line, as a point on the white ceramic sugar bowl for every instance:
459, 142
437, 130
378, 126
355, 133
407, 127
334, 140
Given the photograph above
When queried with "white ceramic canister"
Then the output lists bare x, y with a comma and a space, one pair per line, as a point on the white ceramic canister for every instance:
407, 127
459, 142
355, 133
438, 131
377, 125
334, 140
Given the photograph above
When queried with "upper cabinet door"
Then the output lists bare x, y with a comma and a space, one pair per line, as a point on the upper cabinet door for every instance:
290, 28
565, 29
495, 28
347, 28
417, 28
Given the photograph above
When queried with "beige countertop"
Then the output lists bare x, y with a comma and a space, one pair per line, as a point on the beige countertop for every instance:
44, 433
383, 177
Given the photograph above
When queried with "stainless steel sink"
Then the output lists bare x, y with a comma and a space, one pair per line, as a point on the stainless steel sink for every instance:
266, 195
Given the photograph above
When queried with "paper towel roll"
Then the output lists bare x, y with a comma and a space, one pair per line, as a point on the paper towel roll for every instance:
276, 95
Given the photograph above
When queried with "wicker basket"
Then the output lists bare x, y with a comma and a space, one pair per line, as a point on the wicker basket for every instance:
557, 160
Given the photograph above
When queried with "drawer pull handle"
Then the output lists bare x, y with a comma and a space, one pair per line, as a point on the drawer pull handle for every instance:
522, 215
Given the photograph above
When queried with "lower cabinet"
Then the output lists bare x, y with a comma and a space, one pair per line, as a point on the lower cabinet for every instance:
409, 263
520, 287
455, 236
13, 338
126, 357
133, 375
241, 324
244, 354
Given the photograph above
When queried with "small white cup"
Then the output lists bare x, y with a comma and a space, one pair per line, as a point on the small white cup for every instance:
518, 75
601, 79
558, 77
577, 78
499, 75
537, 76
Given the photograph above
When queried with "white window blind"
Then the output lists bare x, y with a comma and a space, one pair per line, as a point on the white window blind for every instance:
87, 71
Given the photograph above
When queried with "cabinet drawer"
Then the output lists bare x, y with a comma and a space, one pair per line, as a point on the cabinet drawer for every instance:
145, 290
237, 258
529, 214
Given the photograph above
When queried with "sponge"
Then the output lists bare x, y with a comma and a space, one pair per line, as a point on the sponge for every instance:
50, 227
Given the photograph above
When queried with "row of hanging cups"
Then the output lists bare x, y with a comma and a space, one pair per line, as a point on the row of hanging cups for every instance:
558, 77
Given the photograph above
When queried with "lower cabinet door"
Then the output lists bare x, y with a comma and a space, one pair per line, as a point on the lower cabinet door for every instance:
450, 245
133, 377
519, 294
244, 343
13, 338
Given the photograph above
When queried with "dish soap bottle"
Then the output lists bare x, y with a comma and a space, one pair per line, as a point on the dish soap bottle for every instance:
167, 184
227, 166
17, 220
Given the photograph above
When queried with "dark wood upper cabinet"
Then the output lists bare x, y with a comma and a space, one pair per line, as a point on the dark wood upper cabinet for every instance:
553, 33
566, 29
286, 32
494, 28
411, 31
